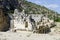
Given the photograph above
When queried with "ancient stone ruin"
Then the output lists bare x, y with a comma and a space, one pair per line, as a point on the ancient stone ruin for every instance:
20, 21
31, 22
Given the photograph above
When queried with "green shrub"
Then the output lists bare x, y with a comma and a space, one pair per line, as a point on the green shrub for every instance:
58, 20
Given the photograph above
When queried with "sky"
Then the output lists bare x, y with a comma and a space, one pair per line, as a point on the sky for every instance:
51, 4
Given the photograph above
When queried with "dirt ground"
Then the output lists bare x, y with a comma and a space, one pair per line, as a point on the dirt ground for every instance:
25, 35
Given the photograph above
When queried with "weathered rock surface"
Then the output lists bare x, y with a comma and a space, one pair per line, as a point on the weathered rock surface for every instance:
4, 21
5, 7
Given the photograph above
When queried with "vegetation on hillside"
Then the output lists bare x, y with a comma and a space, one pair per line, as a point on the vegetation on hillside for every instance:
32, 8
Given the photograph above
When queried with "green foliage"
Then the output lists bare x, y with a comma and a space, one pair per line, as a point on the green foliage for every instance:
37, 9
58, 20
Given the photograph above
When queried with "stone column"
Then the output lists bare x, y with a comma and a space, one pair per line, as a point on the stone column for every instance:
11, 25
